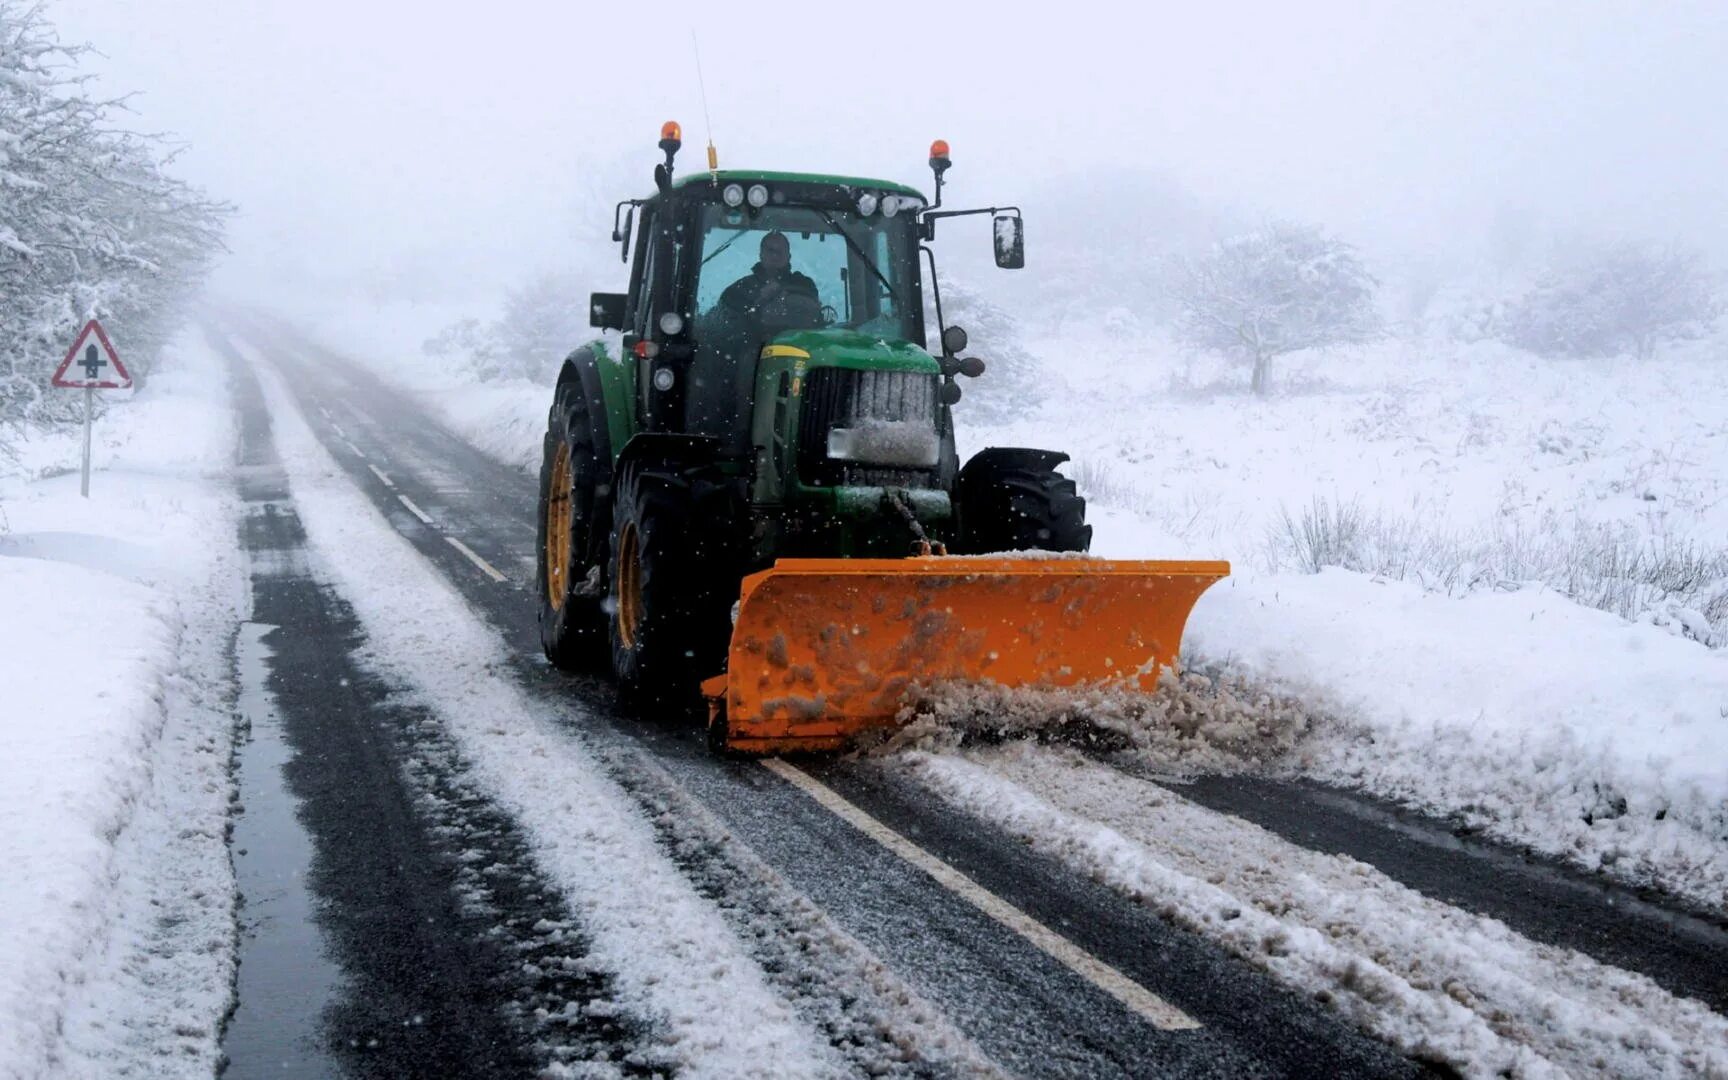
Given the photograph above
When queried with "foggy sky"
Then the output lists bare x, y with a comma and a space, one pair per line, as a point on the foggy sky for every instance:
367, 143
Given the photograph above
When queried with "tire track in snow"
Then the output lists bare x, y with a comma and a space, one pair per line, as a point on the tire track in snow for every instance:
1439, 982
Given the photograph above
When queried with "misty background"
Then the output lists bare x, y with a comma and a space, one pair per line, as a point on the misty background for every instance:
445, 154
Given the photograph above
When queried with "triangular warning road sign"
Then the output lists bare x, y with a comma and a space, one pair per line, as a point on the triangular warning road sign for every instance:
98, 364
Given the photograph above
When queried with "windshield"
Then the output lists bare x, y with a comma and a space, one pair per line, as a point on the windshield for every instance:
795, 267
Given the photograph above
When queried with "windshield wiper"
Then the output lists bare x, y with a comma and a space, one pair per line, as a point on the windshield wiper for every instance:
739, 235
869, 264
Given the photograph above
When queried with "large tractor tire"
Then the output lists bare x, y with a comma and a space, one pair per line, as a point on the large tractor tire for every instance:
1015, 500
674, 575
572, 622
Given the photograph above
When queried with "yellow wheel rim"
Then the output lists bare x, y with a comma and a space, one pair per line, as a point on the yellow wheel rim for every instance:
629, 586
558, 524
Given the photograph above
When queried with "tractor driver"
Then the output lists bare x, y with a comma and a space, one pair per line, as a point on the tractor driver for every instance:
770, 280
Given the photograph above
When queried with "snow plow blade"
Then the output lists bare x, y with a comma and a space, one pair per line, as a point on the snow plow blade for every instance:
823, 649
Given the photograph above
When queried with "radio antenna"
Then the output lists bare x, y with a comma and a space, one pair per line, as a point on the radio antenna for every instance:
708, 122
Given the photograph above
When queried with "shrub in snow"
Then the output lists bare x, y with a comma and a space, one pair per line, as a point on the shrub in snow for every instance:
1013, 383
543, 319
1276, 290
1672, 583
90, 223
1615, 300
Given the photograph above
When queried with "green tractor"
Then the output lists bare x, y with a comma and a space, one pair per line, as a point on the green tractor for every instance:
771, 408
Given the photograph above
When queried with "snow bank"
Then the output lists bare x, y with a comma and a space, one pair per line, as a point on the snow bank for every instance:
116, 949
1547, 723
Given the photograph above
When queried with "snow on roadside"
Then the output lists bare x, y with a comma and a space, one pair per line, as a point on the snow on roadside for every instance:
671, 954
1436, 981
1543, 722
117, 945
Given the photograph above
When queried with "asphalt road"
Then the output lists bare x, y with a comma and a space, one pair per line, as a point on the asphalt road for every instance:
432, 984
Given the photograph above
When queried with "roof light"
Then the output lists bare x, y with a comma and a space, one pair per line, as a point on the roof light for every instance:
732, 195
758, 196
671, 132
890, 205
866, 204
939, 150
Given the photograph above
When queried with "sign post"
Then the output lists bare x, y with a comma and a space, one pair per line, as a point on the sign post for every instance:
86, 354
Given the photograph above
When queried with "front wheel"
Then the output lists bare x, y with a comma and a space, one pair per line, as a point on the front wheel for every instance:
572, 626
1015, 500
674, 579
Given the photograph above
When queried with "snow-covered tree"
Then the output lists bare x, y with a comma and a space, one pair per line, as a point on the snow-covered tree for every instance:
1616, 299
90, 223
1276, 290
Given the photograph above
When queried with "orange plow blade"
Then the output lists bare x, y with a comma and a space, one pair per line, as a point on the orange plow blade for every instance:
825, 648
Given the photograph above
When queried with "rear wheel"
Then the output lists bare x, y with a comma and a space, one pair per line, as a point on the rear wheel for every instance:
572, 625
674, 578
1020, 503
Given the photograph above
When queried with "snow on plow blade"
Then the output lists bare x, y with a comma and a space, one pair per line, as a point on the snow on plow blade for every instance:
825, 648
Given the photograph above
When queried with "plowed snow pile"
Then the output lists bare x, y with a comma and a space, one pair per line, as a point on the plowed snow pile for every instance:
1611, 768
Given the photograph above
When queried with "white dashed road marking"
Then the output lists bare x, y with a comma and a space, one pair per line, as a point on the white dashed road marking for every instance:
425, 518
1156, 1011
485, 567
380, 474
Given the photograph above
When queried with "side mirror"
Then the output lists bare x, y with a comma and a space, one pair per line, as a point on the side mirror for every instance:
606, 310
1009, 232
953, 340
621, 234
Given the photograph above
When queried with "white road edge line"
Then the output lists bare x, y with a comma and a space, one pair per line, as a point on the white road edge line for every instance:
473, 557
425, 518
1154, 1009
380, 474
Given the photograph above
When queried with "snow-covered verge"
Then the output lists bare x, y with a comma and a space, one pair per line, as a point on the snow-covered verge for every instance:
1439, 983
116, 616
674, 960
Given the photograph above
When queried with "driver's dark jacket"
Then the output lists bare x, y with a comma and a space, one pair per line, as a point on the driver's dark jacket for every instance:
741, 294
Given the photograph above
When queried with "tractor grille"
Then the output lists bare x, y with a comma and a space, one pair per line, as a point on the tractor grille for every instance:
839, 397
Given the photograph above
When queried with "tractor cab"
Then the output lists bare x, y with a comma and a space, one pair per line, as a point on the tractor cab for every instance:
732, 270
730, 264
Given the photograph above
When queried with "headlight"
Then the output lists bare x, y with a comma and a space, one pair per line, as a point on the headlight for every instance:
733, 195
866, 204
663, 378
890, 205
758, 196
671, 324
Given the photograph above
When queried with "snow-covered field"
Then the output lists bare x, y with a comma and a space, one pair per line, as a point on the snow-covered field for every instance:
1539, 570
117, 942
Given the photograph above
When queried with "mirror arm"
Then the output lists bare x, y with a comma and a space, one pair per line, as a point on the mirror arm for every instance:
935, 293
928, 220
